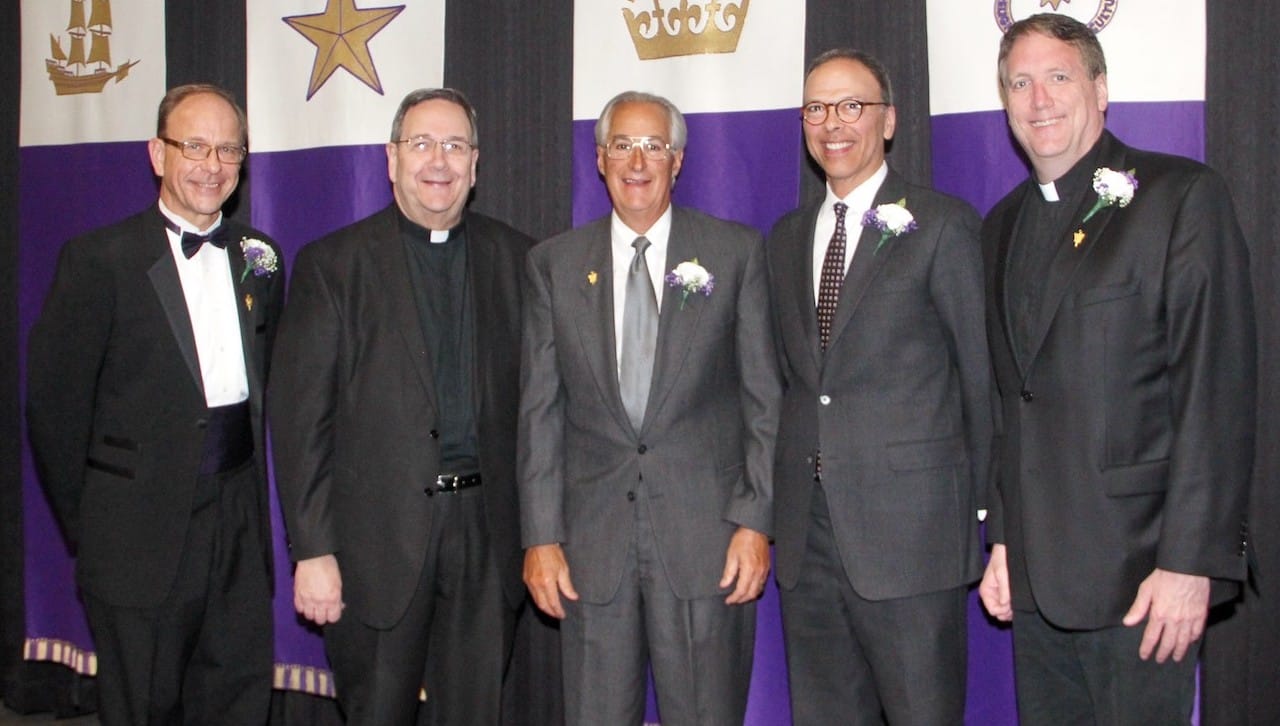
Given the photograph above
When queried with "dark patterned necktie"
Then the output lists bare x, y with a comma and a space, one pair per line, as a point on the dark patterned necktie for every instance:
639, 336
832, 277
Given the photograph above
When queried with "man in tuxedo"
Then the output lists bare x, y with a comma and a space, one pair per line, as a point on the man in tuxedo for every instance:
144, 405
648, 411
1122, 338
886, 421
394, 430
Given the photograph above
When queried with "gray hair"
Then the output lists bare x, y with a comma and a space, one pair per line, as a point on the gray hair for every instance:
675, 119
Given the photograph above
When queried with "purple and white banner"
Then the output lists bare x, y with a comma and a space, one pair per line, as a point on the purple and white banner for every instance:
91, 76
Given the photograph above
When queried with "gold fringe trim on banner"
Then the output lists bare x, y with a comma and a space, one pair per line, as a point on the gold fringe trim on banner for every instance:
84, 662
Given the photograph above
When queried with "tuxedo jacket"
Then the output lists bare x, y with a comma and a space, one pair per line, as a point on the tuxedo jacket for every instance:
1126, 435
705, 448
354, 413
899, 405
116, 408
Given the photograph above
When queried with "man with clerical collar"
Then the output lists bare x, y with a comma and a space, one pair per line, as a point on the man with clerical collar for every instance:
394, 430
649, 404
145, 381
884, 442
1121, 327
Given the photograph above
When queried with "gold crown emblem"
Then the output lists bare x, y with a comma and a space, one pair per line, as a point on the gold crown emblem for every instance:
686, 28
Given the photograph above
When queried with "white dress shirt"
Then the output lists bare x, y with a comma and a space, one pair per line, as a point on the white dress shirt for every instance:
859, 201
211, 303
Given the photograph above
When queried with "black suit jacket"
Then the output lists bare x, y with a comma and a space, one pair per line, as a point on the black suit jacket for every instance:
1126, 438
354, 415
115, 401
899, 405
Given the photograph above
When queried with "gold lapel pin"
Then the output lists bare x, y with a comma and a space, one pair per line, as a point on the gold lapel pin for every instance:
1078, 237
592, 277
248, 302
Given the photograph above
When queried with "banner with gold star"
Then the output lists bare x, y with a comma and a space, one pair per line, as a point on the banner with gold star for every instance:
331, 72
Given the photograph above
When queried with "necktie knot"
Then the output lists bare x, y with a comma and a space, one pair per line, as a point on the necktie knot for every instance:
841, 208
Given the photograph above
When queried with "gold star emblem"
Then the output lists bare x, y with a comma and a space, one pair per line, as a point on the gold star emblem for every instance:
1054, 3
341, 35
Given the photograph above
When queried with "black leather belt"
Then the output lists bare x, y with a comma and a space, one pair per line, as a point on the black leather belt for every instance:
447, 483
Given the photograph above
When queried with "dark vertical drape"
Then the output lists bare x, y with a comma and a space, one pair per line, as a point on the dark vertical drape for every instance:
10, 472
894, 32
1242, 94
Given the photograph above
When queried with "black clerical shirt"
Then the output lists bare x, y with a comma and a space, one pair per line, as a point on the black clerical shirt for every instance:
438, 273
1044, 231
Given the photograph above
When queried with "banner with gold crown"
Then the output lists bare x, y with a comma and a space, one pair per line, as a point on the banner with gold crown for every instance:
733, 69
91, 72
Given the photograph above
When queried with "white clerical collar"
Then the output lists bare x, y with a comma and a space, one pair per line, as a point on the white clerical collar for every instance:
1050, 192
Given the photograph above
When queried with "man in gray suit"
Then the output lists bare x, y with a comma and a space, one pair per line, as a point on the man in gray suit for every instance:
885, 433
648, 412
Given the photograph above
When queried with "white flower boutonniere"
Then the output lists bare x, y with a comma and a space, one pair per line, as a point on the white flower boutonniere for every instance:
259, 258
1114, 188
690, 277
893, 220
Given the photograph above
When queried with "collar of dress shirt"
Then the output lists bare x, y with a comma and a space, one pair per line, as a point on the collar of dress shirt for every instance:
184, 225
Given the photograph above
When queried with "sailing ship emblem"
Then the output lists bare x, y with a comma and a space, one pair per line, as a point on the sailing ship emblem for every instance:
72, 71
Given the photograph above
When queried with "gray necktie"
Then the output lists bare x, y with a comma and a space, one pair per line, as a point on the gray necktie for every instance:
639, 336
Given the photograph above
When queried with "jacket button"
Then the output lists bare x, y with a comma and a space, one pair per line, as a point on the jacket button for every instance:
642, 449
631, 496
429, 491
1028, 396
824, 399
434, 434
202, 423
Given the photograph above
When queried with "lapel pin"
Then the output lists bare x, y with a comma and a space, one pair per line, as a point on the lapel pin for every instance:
248, 302
1077, 238
592, 277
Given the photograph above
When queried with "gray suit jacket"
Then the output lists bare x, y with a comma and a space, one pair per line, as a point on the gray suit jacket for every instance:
899, 405
1126, 438
705, 450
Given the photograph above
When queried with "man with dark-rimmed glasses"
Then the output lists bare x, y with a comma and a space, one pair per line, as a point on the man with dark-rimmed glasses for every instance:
886, 420
145, 398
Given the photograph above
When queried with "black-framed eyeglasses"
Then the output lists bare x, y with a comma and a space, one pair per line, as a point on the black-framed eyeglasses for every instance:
654, 148
848, 110
199, 151
456, 148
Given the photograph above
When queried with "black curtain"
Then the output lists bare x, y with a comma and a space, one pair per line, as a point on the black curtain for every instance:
1242, 94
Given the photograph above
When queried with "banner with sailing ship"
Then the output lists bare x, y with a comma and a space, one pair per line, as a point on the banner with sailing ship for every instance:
103, 67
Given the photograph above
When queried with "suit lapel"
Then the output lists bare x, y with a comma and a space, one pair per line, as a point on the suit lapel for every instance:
677, 318
1069, 258
1008, 229
866, 261
393, 276
593, 274
164, 279
797, 273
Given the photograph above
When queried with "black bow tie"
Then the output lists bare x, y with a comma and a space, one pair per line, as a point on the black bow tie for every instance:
191, 241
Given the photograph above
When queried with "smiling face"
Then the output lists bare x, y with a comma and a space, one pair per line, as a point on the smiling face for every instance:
849, 153
431, 188
196, 190
639, 187
1056, 111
